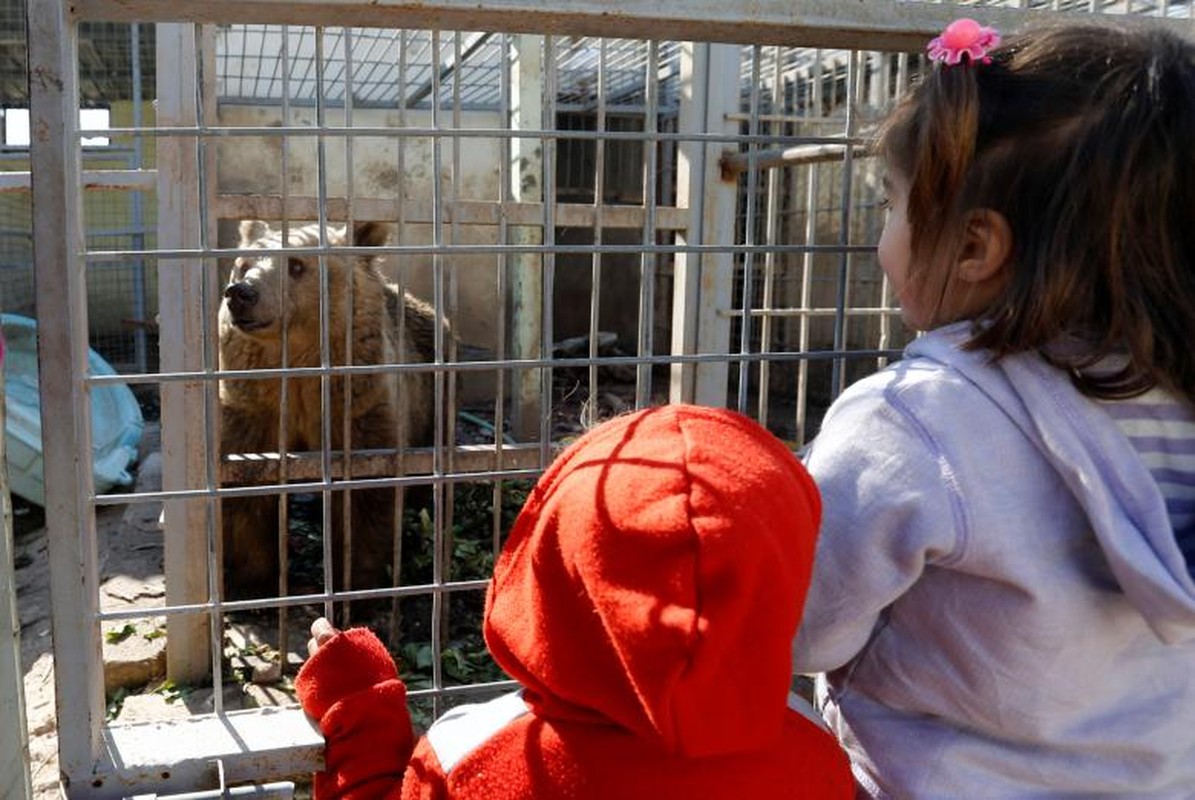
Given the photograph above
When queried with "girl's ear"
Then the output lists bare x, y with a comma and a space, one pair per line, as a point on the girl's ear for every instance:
986, 246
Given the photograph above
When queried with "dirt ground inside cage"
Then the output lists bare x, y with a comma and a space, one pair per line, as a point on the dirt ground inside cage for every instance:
134, 653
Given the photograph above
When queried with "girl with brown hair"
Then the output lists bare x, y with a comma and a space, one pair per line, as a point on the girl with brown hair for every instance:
1002, 602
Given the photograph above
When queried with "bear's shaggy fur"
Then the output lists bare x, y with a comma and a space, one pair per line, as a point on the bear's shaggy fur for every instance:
273, 294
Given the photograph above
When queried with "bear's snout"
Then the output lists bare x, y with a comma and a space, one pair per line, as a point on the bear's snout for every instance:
242, 298
241, 295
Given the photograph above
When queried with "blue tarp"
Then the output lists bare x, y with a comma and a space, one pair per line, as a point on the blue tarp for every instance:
116, 421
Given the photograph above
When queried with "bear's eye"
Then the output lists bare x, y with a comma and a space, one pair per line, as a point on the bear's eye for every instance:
295, 267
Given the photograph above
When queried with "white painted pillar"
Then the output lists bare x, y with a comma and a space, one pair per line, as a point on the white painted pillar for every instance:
181, 331
704, 284
61, 285
527, 269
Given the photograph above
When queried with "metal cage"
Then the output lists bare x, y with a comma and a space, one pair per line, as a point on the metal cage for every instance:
608, 222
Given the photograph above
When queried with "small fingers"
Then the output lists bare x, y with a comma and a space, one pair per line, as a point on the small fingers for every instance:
321, 631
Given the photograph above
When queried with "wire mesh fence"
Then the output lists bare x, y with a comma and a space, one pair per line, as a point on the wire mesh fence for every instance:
544, 230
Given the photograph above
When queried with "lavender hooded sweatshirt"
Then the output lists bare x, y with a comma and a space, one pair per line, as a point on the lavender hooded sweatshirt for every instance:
998, 601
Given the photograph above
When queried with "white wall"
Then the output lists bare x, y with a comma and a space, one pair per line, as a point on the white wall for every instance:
253, 166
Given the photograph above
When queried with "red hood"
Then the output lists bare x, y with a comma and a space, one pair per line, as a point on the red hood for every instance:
655, 578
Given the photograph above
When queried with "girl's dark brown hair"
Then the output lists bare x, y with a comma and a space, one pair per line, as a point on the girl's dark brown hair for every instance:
1083, 138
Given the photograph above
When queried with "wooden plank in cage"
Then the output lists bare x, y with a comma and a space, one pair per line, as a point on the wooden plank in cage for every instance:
180, 303
251, 468
61, 289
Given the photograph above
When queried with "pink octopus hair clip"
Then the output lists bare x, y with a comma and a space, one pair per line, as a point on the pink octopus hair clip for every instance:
964, 39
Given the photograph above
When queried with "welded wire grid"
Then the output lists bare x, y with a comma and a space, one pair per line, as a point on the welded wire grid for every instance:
830, 304
579, 237
539, 392
552, 393
112, 74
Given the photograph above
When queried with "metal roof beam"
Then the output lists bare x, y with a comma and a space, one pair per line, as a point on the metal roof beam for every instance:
875, 25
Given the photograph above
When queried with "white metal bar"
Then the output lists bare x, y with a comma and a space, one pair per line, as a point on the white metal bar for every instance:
887, 300
401, 432
446, 292
690, 174
284, 385
441, 551
210, 286
245, 746
811, 199
478, 132
502, 270
418, 210
842, 296
140, 311
15, 181
325, 339
265, 467
100, 256
181, 312
61, 290
874, 25
284, 790
527, 185
734, 163
771, 234
349, 289
647, 262
385, 132
547, 326
135, 179
599, 222
749, 238
703, 284
325, 312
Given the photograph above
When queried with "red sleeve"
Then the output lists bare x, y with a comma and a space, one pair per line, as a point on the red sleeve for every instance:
351, 687
425, 778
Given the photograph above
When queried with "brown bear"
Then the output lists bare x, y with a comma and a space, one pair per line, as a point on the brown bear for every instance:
273, 294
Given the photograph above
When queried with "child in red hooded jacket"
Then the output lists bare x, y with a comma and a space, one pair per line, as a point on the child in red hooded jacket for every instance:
646, 602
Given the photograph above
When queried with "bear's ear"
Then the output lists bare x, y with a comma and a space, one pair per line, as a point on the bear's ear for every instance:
370, 234
252, 230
